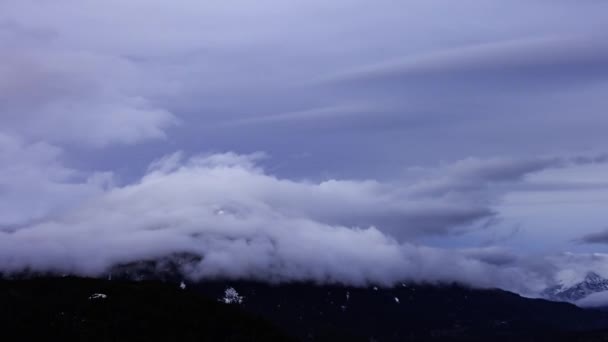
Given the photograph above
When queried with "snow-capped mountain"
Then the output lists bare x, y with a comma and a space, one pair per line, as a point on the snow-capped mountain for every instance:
593, 283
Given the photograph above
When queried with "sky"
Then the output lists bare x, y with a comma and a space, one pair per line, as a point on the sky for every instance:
346, 141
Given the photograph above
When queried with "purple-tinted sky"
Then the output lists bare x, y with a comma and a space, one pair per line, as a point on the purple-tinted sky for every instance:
348, 141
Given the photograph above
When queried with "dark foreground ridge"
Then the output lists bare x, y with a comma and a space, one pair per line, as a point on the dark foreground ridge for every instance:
76, 309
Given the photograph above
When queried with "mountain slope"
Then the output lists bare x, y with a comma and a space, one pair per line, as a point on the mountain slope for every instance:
593, 283
75, 309
407, 312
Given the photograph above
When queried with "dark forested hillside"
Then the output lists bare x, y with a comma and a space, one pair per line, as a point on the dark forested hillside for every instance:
75, 309
412, 312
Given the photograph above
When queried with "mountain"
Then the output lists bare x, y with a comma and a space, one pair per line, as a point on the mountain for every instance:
412, 312
76, 309
593, 283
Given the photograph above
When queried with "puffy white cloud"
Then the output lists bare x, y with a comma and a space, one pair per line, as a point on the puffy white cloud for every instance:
34, 184
246, 223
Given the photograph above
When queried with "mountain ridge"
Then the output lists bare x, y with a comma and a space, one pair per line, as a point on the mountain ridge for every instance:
592, 283
302, 311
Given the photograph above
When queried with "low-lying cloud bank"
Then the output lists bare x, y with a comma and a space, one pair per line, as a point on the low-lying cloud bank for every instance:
594, 300
246, 223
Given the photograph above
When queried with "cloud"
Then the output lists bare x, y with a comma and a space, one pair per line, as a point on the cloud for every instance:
594, 300
125, 74
239, 183
498, 256
67, 94
571, 268
84, 86
34, 184
246, 223
599, 237
471, 175
524, 59
315, 114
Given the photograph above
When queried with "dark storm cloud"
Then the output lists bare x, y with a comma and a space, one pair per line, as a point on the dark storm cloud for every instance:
599, 237
493, 255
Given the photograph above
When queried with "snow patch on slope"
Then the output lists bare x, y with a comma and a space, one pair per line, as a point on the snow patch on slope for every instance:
231, 296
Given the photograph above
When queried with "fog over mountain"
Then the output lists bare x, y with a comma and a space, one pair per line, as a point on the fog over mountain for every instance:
349, 142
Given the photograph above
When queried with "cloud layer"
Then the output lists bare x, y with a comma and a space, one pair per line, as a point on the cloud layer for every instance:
34, 183
371, 113
246, 223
